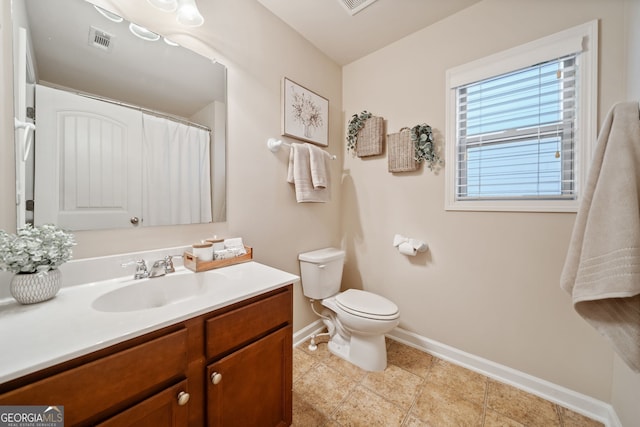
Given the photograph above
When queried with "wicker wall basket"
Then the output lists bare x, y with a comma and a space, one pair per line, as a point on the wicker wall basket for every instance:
371, 137
401, 152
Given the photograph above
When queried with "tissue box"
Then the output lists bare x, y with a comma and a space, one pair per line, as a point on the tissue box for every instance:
194, 264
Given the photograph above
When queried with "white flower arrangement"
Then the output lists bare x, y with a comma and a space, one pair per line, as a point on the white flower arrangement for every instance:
305, 111
35, 249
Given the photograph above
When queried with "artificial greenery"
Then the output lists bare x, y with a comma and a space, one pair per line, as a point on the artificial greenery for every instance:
422, 138
35, 249
355, 124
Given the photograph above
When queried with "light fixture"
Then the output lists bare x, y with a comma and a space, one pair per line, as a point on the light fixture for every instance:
164, 5
143, 33
188, 13
109, 15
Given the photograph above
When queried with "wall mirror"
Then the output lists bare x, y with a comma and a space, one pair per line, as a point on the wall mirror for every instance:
113, 129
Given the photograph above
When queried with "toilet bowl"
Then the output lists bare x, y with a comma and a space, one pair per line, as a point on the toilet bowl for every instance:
364, 312
361, 338
356, 320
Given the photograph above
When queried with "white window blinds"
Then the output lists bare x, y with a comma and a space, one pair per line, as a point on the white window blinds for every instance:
521, 124
516, 134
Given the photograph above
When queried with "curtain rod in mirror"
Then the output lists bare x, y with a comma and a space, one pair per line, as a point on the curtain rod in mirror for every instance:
145, 110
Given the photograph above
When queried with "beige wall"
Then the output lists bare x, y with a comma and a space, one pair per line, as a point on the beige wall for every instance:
490, 284
258, 50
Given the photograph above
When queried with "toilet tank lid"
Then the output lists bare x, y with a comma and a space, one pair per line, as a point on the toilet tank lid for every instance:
322, 255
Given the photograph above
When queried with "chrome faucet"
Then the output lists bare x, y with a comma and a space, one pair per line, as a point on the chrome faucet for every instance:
158, 268
141, 268
163, 266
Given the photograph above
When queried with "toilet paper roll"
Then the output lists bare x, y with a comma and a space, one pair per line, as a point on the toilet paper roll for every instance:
407, 249
398, 239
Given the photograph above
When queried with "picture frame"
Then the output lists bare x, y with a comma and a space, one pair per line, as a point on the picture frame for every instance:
305, 114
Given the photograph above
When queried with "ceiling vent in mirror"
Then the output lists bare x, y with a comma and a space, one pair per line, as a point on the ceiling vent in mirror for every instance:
100, 39
355, 6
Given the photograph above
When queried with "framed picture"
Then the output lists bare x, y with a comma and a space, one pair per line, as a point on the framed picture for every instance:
305, 114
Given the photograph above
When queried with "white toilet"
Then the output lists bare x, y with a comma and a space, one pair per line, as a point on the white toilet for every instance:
356, 320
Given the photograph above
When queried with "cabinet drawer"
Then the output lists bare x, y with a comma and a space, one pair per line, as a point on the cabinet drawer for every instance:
91, 389
238, 327
161, 410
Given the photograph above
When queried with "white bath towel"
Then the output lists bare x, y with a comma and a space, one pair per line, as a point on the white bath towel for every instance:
318, 163
299, 174
602, 269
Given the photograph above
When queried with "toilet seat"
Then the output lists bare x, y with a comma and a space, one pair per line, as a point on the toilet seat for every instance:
367, 304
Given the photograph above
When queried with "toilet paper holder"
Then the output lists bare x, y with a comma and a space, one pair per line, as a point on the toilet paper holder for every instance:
409, 246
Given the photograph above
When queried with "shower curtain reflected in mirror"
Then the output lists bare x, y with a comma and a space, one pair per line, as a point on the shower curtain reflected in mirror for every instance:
175, 172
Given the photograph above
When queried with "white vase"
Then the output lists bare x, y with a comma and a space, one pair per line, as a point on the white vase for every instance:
308, 131
31, 288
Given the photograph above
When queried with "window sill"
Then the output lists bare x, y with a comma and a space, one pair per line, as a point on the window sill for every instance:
570, 206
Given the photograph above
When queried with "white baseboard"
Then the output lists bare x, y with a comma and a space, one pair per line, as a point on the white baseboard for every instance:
580, 403
305, 333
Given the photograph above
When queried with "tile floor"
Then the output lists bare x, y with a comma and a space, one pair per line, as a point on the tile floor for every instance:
416, 389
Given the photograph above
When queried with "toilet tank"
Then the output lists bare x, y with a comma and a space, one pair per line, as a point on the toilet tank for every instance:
321, 272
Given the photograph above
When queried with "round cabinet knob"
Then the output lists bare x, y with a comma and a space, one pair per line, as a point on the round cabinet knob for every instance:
216, 377
134, 220
183, 398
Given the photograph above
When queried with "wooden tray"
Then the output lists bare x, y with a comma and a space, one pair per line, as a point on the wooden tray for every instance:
194, 264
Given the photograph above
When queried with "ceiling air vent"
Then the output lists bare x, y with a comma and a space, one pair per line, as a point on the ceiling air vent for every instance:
100, 39
355, 6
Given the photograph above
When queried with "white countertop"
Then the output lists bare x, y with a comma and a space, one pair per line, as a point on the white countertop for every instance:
33, 337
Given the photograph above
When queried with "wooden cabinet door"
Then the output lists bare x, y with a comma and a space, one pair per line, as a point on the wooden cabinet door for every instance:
253, 385
164, 409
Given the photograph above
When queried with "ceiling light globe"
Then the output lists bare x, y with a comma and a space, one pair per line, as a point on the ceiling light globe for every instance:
109, 15
188, 13
164, 5
143, 33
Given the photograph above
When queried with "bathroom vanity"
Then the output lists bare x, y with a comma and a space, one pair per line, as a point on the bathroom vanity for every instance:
223, 357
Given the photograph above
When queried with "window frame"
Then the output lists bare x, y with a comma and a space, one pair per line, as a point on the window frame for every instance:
583, 38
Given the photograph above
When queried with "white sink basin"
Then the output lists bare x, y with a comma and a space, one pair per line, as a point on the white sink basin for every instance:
156, 292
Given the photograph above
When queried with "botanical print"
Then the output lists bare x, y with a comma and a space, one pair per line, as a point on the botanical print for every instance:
305, 114
306, 111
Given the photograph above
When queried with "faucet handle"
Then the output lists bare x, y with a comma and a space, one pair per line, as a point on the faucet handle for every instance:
141, 268
168, 263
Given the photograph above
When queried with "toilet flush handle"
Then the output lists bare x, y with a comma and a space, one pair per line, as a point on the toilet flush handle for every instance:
321, 266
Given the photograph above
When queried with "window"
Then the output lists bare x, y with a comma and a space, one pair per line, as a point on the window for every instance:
521, 124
